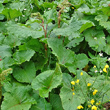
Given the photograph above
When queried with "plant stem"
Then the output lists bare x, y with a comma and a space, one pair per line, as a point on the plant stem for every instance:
45, 34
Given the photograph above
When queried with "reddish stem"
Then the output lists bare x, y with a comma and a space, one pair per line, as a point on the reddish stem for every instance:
45, 33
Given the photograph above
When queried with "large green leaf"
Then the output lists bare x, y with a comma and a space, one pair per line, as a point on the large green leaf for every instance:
101, 18
75, 42
67, 57
47, 80
95, 39
64, 55
72, 30
55, 102
19, 98
70, 101
86, 10
5, 51
23, 31
105, 24
11, 13
25, 73
1, 7
23, 55
86, 24
12, 41
42, 104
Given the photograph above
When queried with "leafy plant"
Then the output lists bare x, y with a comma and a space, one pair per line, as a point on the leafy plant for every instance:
54, 55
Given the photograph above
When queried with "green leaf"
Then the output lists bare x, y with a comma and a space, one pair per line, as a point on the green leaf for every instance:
23, 31
77, 3
70, 101
12, 41
67, 57
101, 18
86, 24
67, 79
106, 10
107, 49
35, 45
42, 104
72, 30
25, 73
1, 17
1, 7
105, 24
47, 80
50, 15
55, 101
23, 55
1, 38
86, 10
75, 42
5, 51
11, 13
64, 55
39, 61
2, 27
8, 61
19, 98
95, 39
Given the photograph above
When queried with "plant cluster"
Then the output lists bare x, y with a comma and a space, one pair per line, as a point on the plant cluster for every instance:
54, 54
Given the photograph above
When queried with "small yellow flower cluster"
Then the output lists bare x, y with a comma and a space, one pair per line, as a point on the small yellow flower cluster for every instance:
92, 101
77, 81
94, 66
72, 7
73, 93
105, 68
95, 91
81, 73
73, 83
80, 107
88, 84
94, 107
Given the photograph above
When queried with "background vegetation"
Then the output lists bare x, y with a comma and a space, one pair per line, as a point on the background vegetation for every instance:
54, 54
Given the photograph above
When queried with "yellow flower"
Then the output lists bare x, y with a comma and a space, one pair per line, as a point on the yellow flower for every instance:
72, 7
77, 81
89, 106
81, 73
95, 91
88, 84
94, 66
80, 107
92, 101
106, 66
105, 70
94, 107
73, 93
72, 82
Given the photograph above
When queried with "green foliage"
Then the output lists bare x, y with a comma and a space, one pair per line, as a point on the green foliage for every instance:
47, 80
58, 52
